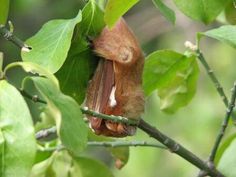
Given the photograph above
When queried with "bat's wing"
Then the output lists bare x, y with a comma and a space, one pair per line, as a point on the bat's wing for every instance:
99, 92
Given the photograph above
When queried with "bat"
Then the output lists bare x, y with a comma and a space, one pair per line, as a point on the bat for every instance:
116, 87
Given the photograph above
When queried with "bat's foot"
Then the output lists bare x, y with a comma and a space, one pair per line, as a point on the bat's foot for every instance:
109, 128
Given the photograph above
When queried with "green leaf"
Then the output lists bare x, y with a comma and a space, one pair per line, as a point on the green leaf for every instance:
51, 44
166, 11
226, 34
174, 75
81, 63
75, 74
71, 127
204, 10
91, 168
40, 169
57, 165
93, 20
33, 68
4, 7
223, 147
17, 142
61, 164
230, 13
1, 63
228, 161
120, 154
181, 89
115, 9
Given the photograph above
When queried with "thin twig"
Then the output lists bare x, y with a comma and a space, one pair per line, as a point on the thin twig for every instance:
8, 35
224, 124
113, 144
213, 78
221, 133
225, 121
125, 143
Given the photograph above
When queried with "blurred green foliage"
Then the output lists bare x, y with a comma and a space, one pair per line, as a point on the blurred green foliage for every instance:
195, 126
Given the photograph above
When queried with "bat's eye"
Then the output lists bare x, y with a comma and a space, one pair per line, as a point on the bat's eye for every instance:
126, 54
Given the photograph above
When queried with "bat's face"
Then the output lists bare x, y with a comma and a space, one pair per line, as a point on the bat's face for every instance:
116, 85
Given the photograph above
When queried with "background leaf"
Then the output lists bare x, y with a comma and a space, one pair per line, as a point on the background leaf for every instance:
228, 161
205, 11
165, 10
4, 7
51, 44
61, 164
115, 9
174, 75
121, 156
17, 142
71, 127
226, 34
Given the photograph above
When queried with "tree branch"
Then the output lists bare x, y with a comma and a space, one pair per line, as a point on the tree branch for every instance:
171, 144
8, 35
221, 132
120, 119
224, 124
178, 149
225, 121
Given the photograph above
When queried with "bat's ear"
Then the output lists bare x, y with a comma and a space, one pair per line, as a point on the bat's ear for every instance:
90, 39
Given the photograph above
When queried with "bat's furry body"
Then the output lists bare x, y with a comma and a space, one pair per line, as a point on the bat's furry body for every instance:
116, 87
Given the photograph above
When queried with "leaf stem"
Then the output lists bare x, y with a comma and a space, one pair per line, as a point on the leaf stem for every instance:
8, 35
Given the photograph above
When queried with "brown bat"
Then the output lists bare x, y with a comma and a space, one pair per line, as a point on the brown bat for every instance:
116, 87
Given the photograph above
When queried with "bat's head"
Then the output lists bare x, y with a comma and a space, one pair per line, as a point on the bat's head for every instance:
118, 44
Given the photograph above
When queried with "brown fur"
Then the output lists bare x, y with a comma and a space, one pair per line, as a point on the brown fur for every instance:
122, 69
